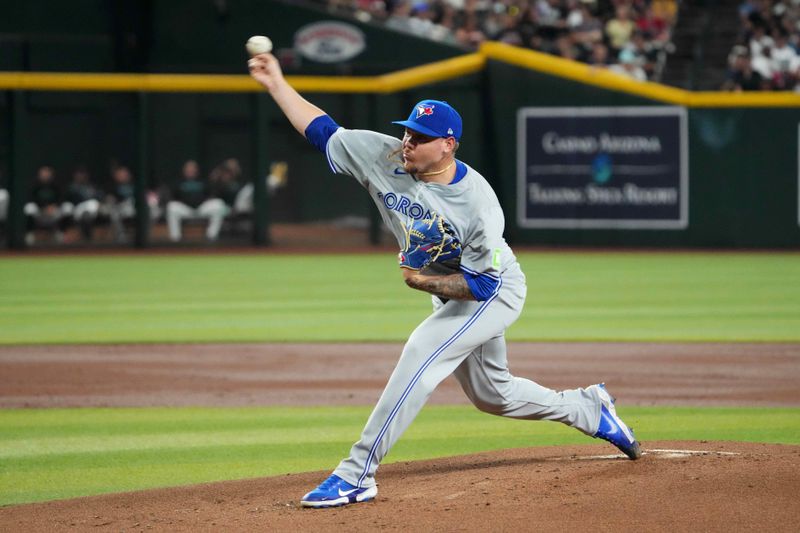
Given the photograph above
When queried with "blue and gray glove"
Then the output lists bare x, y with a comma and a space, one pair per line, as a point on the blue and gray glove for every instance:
429, 240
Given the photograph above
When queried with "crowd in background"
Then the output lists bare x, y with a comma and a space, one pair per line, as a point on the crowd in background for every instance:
627, 36
58, 206
766, 54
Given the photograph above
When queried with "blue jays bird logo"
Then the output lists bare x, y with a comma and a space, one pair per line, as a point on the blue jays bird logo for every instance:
425, 109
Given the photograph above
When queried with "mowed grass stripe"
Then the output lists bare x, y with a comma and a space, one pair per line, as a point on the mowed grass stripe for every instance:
571, 297
61, 453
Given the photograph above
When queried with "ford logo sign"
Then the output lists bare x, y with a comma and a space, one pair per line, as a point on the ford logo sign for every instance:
329, 42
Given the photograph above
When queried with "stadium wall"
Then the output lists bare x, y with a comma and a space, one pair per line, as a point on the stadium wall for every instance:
742, 166
741, 161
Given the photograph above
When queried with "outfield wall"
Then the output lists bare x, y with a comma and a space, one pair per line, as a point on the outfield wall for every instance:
742, 167
724, 173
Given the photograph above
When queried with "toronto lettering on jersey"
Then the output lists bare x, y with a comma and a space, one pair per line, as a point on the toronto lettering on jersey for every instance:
403, 204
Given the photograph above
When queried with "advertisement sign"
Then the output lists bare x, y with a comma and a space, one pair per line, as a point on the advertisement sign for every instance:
329, 42
603, 168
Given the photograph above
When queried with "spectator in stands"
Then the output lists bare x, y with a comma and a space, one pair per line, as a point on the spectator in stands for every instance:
771, 32
599, 57
790, 25
492, 20
742, 76
225, 181
643, 51
569, 28
759, 39
654, 26
508, 31
44, 210
785, 61
400, 16
566, 47
619, 29
82, 202
119, 204
529, 29
423, 23
550, 20
447, 18
375, 9
278, 177
586, 29
629, 66
762, 63
666, 10
470, 33
765, 12
191, 199
748, 7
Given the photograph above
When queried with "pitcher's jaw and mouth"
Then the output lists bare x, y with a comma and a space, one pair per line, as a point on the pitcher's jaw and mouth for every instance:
416, 151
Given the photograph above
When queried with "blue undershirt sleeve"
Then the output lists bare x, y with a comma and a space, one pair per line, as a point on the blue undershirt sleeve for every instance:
320, 130
482, 286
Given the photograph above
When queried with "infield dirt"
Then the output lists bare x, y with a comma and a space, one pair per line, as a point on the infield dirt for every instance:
701, 374
676, 486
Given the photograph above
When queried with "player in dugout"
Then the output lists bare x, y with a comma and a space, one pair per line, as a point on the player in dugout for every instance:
419, 186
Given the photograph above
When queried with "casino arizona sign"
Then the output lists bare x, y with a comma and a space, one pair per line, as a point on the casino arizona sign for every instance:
552, 143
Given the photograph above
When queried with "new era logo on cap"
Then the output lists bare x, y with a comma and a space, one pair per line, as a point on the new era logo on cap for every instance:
434, 118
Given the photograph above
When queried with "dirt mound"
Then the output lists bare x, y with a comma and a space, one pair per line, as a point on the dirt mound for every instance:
676, 486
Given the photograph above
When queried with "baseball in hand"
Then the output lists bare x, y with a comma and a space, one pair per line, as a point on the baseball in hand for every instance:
258, 44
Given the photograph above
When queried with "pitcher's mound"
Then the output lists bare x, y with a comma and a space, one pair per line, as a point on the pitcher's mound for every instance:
676, 486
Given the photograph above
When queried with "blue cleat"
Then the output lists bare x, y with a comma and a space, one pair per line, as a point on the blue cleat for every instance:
613, 429
335, 491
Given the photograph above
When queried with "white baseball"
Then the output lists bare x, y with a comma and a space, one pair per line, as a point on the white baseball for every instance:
258, 44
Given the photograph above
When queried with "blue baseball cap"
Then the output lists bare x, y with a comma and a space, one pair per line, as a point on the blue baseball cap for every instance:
433, 118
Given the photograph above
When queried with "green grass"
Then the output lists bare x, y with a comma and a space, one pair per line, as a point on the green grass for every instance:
60, 453
571, 297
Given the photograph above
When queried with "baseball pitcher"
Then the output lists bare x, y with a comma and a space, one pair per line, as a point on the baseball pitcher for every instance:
449, 227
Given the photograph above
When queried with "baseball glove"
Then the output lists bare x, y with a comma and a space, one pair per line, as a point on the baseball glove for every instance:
429, 240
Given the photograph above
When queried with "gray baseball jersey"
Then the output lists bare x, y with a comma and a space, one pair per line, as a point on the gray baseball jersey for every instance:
470, 206
463, 338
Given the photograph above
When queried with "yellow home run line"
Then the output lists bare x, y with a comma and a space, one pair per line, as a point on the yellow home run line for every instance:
398, 81
603, 78
387, 83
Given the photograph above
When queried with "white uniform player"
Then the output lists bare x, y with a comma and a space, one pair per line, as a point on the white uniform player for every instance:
414, 178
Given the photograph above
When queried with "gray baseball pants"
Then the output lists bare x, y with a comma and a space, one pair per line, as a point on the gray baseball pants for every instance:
464, 338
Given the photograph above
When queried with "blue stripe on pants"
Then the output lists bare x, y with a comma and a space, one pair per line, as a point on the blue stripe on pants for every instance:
417, 376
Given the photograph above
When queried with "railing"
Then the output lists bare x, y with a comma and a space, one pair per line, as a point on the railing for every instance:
399, 81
